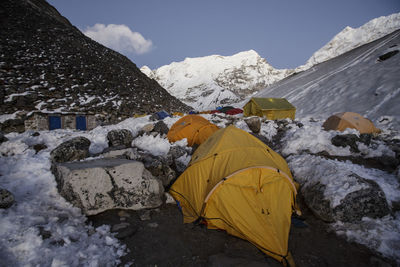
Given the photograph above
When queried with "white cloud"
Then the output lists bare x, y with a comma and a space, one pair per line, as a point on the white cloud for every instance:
119, 38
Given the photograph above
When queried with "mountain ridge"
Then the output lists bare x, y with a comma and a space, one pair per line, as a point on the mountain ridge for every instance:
210, 87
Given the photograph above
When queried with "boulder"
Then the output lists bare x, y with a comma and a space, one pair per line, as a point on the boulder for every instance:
39, 147
146, 129
122, 137
2, 138
368, 201
74, 149
103, 184
161, 128
254, 124
126, 153
6, 199
351, 140
159, 167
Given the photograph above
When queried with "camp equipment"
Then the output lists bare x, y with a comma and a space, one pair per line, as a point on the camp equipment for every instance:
344, 120
237, 183
194, 128
271, 108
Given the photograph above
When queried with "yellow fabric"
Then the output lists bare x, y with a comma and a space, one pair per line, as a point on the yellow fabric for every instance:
256, 199
194, 128
271, 108
342, 121
180, 114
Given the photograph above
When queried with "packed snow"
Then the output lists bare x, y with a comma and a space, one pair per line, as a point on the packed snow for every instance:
40, 210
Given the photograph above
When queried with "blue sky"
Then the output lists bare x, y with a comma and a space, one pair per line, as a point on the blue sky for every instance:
158, 32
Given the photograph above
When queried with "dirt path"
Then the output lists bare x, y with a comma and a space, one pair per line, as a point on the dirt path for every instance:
159, 238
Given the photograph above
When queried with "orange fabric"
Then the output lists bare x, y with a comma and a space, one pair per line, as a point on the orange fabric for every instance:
344, 120
194, 128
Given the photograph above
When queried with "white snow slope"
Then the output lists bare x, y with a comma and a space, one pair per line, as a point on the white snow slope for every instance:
356, 81
207, 82
350, 38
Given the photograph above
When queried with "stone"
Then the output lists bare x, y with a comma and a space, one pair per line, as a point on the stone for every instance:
2, 138
39, 147
147, 128
103, 184
127, 153
161, 128
368, 201
74, 149
346, 140
6, 199
119, 137
254, 124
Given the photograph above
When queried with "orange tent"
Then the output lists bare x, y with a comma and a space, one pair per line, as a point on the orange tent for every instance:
344, 120
194, 128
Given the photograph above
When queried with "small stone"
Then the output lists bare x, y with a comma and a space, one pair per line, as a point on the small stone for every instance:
6, 199
145, 215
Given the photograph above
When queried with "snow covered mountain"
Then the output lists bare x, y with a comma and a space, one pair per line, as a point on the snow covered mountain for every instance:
350, 38
207, 82
364, 80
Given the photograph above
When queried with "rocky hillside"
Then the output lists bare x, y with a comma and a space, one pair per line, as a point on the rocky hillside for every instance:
207, 82
47, 64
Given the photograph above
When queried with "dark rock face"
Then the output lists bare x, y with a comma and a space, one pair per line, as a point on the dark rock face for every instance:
370, 201
44, 59
6, 199
346, 140
121, 137
74, 149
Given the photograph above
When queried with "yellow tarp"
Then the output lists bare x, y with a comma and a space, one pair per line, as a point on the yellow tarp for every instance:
194, 128
239, 184
342, 121
271, 108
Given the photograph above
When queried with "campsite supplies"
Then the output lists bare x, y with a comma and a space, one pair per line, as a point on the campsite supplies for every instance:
194, 128
271, 108
237, 183
344, 120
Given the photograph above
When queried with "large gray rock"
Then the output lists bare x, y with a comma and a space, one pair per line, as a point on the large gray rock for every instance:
368, 201
254, 124
99, 185
74, 149
6, 199
122, 137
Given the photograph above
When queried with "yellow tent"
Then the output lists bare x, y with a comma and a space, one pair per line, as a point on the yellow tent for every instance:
237, 183
344, 120
193, 127
271, 108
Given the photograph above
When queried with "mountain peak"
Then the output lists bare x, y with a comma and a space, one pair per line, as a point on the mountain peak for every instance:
350, 38
210, 81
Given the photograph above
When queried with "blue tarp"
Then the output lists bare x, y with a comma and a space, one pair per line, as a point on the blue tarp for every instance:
162, 114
